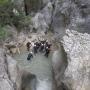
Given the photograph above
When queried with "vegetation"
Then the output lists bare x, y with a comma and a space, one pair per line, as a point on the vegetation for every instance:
3, 33
32, 5
5, 12
10, 15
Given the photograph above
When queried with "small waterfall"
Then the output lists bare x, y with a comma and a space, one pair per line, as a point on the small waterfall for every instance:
44, 85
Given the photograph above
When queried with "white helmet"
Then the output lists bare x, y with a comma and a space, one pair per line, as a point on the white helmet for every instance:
31, 52
34, 45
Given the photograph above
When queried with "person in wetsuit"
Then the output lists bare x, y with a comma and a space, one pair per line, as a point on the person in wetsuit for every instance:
47, 48
28, 46
47, 51
38, 44
30, 55
35, 50
42, 45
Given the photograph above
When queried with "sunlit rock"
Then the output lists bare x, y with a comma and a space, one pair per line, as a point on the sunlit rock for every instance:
77, 73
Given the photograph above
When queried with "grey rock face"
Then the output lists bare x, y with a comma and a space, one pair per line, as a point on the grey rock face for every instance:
8, 73
59, 63
42, 19
77, 73
74, 14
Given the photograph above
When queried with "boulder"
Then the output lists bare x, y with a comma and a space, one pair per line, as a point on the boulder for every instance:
77, 73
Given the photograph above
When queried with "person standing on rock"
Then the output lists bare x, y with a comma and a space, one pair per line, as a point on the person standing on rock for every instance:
42, 45
35, 50
28, 46
47, 48
37, 45
47, 51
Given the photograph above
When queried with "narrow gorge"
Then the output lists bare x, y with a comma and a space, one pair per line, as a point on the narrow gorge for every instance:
65, 24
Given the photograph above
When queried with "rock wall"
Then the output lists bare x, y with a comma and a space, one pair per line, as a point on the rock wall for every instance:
77, 73
72, 61
9, 73
62, 14
74, 14
59, 63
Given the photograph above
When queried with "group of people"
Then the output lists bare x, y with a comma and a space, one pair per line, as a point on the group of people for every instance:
42, 46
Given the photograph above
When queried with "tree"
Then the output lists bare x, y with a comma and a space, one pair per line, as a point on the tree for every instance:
32, 6
6, 8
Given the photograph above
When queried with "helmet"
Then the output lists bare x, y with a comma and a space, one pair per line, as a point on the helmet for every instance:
31, 52
34, 44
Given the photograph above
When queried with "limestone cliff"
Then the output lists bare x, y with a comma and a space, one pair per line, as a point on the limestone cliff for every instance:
77, 47
72, 72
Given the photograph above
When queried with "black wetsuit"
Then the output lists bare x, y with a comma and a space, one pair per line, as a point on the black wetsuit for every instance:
30, 55
47, 51
37, 45
35, 49
28, 46
41, 47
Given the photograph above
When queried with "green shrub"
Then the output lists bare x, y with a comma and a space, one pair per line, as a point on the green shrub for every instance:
2, 2
3, 33
22, 22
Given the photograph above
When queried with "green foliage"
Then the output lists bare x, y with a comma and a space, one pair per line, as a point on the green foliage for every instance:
5, 12
4, 33
8, 17
3, 2
24, 22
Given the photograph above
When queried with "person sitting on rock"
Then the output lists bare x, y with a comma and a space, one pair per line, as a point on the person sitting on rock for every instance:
28, 46
30, 55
